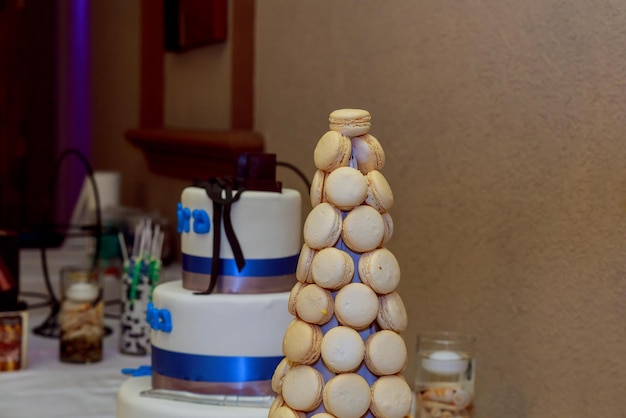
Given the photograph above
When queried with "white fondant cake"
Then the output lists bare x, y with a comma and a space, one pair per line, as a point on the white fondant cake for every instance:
219, 343
266, 226
227, 342
130, 404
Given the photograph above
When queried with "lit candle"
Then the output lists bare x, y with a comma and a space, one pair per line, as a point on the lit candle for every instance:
444, 362
82, 292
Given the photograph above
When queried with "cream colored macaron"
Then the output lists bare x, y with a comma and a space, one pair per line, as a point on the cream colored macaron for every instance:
363, 229
347, 395
323, 415
385, 353
314, 304
332, 268
388, 223
317, 188
392, 314
356, 306
350, 122
379, 269
379, 194
346, 188
343, 349
303, 268
277, 403
302, 342
279, 374
293, 296
368, 152
302, 388
391, 397
333, 150
322, 226
286, 412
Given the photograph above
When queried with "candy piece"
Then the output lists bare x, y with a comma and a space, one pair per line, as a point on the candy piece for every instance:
350, 122
322, 227
293, 295
332, 268
314, 305
346, 188
333, 150
379, 194
286, 412
392, 314
347, 395
379, 269
385, 353
388, 223
277, 403
356, 305
303, 269
302, 388
317, 188
302, 342
368, 153
391, 397
343, 349
363, 229
279, 374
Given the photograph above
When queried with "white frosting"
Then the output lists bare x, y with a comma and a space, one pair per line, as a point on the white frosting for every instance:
267, 225
221, 324
131, 405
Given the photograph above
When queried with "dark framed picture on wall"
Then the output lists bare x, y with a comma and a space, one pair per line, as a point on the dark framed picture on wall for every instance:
192, 24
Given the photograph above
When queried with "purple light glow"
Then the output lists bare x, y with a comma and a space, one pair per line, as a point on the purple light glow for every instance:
74, 100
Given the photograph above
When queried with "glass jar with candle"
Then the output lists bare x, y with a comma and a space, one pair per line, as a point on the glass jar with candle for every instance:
444, 379
81, 318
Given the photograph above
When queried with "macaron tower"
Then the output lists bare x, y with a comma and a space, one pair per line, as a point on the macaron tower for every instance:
344, 356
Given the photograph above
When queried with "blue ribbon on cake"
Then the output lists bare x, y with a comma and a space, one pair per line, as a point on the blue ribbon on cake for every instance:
204, 368
228, 267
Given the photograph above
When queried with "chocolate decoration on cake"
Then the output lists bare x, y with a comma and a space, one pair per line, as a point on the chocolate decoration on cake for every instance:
255, 171
220, 191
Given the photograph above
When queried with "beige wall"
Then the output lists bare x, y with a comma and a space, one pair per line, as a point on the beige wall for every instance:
504, 128
196, 93
503, 124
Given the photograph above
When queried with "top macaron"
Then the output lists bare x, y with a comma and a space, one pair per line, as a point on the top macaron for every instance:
350, 122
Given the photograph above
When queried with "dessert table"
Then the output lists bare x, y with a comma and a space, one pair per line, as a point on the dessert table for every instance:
49, 388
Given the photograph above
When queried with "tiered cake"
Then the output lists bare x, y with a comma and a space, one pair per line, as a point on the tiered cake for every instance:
343, 352
218, 330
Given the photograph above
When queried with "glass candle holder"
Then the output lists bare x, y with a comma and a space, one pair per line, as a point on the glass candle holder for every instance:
444, 379
81, 318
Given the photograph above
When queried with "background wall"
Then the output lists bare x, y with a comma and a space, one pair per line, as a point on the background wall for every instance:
196, 97
503, 124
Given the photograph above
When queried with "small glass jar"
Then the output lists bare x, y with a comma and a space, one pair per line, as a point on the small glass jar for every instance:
444, 379
81, 317
139, 279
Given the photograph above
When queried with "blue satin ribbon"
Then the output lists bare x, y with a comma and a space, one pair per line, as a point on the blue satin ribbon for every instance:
202, 368
253, 268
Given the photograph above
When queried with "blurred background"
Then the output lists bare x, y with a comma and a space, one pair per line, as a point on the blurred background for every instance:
504, 125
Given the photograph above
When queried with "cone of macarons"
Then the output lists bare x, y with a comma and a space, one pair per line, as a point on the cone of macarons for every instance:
344, 355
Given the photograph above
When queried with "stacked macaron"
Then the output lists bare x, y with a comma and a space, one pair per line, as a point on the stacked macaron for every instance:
344, 356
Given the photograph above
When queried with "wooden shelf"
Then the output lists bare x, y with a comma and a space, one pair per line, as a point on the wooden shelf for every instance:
192, 154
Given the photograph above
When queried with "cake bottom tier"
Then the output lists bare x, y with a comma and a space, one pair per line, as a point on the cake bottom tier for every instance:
131, 404
217, 343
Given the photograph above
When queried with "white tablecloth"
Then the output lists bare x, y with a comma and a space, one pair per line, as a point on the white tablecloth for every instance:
48, 388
